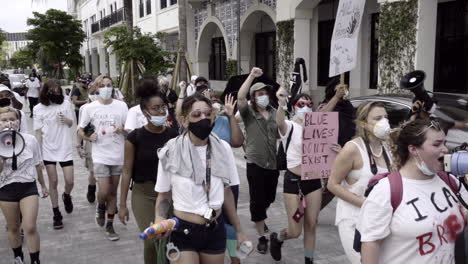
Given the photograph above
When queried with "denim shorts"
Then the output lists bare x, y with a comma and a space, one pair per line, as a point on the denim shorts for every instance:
102, 170
200, 238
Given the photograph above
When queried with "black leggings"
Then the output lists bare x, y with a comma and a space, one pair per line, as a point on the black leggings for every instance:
32, 102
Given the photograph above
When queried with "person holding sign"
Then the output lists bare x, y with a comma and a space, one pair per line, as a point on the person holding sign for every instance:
301, 198
359, 160
260, 150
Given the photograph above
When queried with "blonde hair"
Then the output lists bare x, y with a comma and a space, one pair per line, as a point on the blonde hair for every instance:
361, 117
9, 109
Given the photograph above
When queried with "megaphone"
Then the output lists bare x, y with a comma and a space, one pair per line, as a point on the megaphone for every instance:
11, 145
414, 81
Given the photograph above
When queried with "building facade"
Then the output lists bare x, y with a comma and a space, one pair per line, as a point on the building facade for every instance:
15, 42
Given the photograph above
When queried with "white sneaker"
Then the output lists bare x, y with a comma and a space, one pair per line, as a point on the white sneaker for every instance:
18, 260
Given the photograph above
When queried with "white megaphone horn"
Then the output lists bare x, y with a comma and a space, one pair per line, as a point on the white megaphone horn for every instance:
11, 145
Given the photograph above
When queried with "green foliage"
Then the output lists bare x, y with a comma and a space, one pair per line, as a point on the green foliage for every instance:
57, 39
138, 47
397, 40
21, 59
285, 47
231, 68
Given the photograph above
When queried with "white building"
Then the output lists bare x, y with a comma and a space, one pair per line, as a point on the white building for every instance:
97, 16
441, 49
15, 42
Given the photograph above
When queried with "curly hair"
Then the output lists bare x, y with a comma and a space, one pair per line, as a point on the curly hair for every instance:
49, 85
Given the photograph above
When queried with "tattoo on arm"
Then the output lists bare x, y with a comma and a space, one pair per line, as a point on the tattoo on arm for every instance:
163, 208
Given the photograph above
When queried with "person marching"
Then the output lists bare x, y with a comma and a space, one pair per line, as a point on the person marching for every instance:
18, 190
141, 160
33, 84
359, 160
108, 116
260, 151
430, 215
295, 190
53, 119
195, 171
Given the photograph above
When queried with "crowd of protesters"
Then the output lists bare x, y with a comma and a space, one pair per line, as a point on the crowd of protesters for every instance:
174, 153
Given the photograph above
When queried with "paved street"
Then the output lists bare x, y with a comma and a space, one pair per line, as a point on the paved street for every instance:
82, 241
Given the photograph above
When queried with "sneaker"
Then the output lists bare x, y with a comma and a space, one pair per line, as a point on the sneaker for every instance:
100, 216
18, 260
111, 235
265, 228
91, 195
262, 245
309, 261
275, 246
58, 221
67, 202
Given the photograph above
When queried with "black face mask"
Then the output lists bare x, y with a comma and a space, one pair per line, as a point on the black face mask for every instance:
56, 98
201, 88
201, 129
5, 102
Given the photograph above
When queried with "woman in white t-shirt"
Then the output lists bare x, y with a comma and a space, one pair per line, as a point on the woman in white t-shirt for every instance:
34, 87
296, 192
107, 117
424, 226
195, 170
53, 119
18, 190
359, 160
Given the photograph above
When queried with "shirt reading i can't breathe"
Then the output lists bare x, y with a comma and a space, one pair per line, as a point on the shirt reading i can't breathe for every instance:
109, 146
423, 228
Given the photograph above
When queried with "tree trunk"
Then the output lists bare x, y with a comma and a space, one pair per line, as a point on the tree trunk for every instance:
182, 40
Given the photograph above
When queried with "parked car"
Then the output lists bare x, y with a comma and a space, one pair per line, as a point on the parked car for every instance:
18, 83
449, 108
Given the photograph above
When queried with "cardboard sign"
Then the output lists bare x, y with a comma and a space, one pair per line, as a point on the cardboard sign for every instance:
343, 51
319, 135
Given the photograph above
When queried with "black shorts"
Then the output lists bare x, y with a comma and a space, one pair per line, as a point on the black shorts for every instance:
199, 238
63, 164
292, 182
15, 192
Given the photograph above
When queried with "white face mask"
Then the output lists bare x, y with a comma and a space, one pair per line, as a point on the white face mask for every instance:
106, 92
382, 129
263, 101
423, 167
300, 113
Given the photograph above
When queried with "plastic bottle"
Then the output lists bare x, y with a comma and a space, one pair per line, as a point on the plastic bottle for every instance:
160, 228
244, 250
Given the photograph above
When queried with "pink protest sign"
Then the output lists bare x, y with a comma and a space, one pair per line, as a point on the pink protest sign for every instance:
319, 135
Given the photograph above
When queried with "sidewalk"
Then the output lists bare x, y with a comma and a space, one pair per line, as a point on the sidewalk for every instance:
83, 242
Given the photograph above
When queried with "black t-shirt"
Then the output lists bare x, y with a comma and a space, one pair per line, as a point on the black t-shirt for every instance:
145, 164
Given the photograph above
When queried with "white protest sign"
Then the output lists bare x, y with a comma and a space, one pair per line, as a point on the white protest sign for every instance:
343, 51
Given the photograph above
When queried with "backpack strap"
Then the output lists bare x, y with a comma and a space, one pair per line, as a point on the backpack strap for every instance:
396, 187
449, 181
289, 138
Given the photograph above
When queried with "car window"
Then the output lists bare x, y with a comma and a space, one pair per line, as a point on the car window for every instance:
397, 113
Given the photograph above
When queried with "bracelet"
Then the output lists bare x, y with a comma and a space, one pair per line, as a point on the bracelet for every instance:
181, 98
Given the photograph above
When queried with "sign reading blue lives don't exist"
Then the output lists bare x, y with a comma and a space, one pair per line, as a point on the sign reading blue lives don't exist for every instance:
343, 49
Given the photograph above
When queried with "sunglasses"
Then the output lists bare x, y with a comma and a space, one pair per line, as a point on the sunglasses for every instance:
198, 113
301, 104
434, 124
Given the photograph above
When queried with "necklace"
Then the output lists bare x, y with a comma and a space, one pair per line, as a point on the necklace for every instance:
377, 155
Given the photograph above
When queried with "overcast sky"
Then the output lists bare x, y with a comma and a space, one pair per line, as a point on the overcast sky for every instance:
15, 12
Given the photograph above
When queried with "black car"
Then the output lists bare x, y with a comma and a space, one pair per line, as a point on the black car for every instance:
449, 108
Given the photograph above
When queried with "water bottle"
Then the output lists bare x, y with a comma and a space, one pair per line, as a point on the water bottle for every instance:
244, 250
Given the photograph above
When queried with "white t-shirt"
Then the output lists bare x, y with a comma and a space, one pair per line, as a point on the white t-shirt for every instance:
191, 198
294, 152
422, 229
26, 162
33, 88
109, 146
135, 118
56, 136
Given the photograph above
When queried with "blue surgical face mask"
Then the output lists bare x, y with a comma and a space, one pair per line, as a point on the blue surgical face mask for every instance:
422, 166
106, 92
263, 101
157, 120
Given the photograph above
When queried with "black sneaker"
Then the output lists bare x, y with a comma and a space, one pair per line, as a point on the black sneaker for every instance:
100, 216
275, 246
67, 202
262, 245
91, 195
58, 221
309, 261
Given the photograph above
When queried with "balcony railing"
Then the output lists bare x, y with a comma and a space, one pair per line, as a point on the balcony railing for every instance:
108, 21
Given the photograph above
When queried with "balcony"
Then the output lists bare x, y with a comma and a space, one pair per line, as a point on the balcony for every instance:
108, 21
